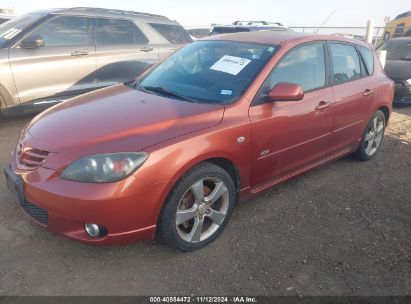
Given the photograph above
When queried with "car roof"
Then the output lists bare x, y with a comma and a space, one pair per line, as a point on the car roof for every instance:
275, 38
104, 12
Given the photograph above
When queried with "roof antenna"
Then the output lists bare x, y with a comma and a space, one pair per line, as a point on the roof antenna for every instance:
328, 18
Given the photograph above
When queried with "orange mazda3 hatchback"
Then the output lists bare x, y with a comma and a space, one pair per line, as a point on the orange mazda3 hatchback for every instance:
220, 120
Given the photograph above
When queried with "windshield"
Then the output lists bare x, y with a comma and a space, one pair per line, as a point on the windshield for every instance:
397, 49
14, 26
208, 71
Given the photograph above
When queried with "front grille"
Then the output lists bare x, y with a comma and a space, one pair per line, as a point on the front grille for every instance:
30, 158
38, 214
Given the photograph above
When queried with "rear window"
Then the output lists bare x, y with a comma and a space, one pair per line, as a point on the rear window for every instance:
173, 33
119, 32
368, 57
228, 30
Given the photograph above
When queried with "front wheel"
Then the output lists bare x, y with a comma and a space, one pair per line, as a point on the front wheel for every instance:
372, 137
198, 208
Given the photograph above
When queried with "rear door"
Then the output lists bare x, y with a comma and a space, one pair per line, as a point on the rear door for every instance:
64, 66
123, 51
290, 135
354, 94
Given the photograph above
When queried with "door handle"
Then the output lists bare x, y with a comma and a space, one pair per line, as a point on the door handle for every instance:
323, 105
146, 49
368, 92
79, 53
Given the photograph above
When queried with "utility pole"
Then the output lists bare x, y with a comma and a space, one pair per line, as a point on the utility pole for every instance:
370, 31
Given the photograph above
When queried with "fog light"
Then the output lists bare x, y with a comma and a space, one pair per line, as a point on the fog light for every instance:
95, 230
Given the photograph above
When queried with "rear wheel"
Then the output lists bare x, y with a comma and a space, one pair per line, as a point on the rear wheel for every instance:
198, 208
372, 137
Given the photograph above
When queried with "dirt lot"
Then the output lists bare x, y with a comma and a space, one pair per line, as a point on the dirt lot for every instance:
343, 229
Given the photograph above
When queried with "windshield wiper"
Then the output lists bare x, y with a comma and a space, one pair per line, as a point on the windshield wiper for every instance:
167, 92
405, 58
138, 86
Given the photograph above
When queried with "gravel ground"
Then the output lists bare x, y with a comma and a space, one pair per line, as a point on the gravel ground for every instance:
343, 229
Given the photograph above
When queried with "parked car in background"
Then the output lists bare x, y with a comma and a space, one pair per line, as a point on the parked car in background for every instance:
52, 55
398, 67
222, 119
249, 26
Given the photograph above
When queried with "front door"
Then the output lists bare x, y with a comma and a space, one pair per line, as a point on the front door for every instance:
290, 135
65, 66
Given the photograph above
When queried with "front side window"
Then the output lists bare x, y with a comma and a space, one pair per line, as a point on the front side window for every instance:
15, 26
304, 66
65, 31
346, 63
368, 57
209, 71
117, 32
173, 33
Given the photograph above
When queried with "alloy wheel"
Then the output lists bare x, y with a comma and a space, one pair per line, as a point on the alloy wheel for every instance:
374, 136
202, 209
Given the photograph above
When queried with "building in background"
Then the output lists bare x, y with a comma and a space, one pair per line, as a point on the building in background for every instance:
399, 27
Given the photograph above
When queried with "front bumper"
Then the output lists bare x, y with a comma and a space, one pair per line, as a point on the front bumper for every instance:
402, 94
128, 209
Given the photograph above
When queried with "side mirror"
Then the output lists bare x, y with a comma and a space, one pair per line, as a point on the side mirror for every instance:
286, 92
32, 42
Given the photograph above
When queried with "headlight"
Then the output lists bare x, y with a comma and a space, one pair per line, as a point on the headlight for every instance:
104, 168
409, 81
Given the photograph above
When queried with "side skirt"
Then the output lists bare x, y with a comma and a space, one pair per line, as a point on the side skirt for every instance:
301, 171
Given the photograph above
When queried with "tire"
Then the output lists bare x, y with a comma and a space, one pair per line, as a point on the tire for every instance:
190, 205
372, 137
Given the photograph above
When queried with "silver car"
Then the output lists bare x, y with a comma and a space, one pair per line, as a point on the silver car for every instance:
50, 56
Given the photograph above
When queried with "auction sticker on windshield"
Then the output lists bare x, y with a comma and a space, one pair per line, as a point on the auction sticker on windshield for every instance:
230, 64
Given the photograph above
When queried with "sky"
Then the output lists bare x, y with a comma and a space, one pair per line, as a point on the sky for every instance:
202, 13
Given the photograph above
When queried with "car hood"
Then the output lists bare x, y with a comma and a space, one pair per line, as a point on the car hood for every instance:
116, 119
398, 69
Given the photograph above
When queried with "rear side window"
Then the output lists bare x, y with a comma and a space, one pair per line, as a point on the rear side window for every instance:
399, 29
304, 66
118, 32
368, 57
346, 63
65, 31
173, 33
